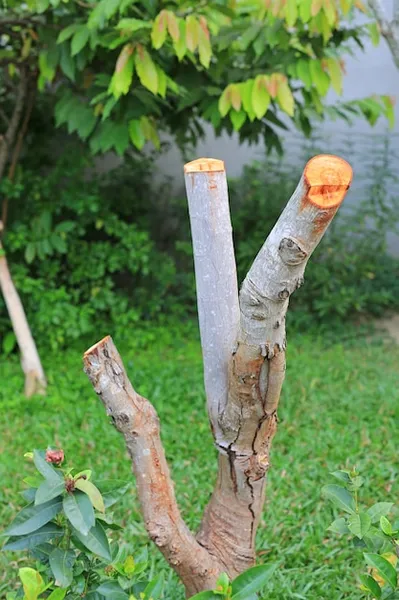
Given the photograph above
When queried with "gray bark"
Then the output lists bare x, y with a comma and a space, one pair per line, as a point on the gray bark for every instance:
215, 276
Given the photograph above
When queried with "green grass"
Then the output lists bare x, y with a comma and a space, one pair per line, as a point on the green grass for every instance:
339, 407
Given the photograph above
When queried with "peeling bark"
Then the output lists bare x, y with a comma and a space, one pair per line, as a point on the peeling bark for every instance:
243, 342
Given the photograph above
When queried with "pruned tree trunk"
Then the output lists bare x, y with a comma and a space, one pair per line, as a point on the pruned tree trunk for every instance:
243, 342
389, 27
11, 145
35, 381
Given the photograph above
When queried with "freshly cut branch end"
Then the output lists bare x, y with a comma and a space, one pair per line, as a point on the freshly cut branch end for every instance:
328, 178
210, 165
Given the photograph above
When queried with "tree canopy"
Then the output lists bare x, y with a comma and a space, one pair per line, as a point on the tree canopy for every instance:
122, 71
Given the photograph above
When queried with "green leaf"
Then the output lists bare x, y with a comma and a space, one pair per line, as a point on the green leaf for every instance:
339, 526
238, 119
61, 563
320, 79
30, 253
180, 45
154, 589
359, 524
32, 583
252, 581
32, 517
204, 44
159, 30
136, 135
67, 32
291, 12
342, 476
340, 497
374, 33
49, 490
225, 102
123, 74
112, 490
9, 342
384, 568
79, 511
112, 590
381, 509
285, 98
57, 594
42, 552
371, 585
79, 40
146, 70
93, 493
27, 542
208, 595
386, 526
96, 541
133, 24
304, 75
260, 97
192, 33
389, 109
334, 68
29, 494
67, 63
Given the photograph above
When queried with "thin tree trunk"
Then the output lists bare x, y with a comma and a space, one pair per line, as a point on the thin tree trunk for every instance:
244, 366
7, 140
35, 381
389, 28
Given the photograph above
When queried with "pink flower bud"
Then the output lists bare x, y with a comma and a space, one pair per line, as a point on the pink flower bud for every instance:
55, 456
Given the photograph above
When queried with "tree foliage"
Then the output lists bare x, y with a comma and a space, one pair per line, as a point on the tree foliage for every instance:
122, 71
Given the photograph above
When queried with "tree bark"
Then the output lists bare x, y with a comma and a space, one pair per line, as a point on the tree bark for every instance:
257, 366
35, 381
137, 420
243, 342
389, 28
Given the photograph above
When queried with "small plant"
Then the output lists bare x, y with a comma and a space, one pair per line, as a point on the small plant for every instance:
372, 531
243, 587
64, 529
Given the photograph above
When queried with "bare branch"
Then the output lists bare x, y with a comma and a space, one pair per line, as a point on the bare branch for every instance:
9, 137
389, 29
136, 419
216, 276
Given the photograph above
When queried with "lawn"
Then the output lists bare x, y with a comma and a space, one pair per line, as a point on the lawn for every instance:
340, 406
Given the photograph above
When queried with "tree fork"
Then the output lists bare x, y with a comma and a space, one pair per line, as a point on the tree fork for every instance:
243, 343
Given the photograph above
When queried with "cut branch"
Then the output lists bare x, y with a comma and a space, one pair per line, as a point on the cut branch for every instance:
137, 420
216, 276
257, 369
